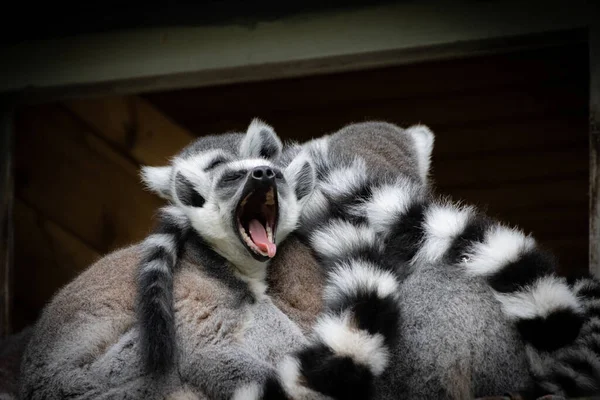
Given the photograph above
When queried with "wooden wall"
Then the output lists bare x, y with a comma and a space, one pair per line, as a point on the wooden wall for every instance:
78, 192
511, 134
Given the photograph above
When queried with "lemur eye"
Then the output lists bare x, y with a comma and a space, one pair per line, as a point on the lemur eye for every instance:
278, 175
233, 176
215, 163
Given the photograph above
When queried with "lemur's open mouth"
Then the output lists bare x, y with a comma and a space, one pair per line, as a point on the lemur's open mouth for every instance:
257, 215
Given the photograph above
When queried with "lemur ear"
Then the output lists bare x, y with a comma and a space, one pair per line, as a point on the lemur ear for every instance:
260, 141
423, 138
158, 179
300, 174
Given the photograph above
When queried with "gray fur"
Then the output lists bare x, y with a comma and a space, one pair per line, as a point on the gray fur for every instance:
85, 344
454, 343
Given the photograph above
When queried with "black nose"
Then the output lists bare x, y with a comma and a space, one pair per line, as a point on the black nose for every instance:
263, 174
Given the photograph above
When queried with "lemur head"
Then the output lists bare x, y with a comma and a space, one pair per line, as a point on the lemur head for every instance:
233, 194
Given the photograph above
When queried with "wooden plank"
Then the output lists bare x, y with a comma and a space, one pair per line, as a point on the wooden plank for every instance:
381, 34
439, 112
58, 257
134, 126
6, 215
499, 168
489, 72
594, 206
571, 254
512, 135
76, 180
524, 195
542, 221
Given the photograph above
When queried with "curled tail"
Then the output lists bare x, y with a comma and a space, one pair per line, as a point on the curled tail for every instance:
354, 336
160, 253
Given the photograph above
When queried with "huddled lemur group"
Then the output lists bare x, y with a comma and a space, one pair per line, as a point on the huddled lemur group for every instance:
422, 297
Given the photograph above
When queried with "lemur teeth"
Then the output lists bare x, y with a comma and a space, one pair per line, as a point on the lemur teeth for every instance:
243, 203
270, 199
250, 243
269, 233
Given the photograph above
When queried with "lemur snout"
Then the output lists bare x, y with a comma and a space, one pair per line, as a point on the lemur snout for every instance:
263, 174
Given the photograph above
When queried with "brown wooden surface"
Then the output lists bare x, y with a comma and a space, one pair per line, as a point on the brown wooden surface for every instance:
78, 197
199, 107
48, 257
134, 126
76, 180
6, 216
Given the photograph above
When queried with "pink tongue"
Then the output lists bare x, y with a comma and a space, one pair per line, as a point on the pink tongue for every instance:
259, 237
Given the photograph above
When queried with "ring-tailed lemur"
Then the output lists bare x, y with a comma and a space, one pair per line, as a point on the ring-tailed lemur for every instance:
200, 305
235, 202
382, 227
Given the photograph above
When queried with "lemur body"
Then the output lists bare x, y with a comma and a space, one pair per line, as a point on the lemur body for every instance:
481, 310
201, 316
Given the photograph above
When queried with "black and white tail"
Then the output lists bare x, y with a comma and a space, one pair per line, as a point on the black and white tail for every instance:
354, 335
380, 228
574, 370
420, 229
160, 253
557, 321
369, 231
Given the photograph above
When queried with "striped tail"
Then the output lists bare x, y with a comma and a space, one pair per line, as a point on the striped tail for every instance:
574, 370
419, 228
521, 275
354, 336
379, 228
560, 323
160, 253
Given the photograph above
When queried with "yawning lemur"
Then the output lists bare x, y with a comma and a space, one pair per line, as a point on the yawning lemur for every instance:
227, 196
479, 309
201, 303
